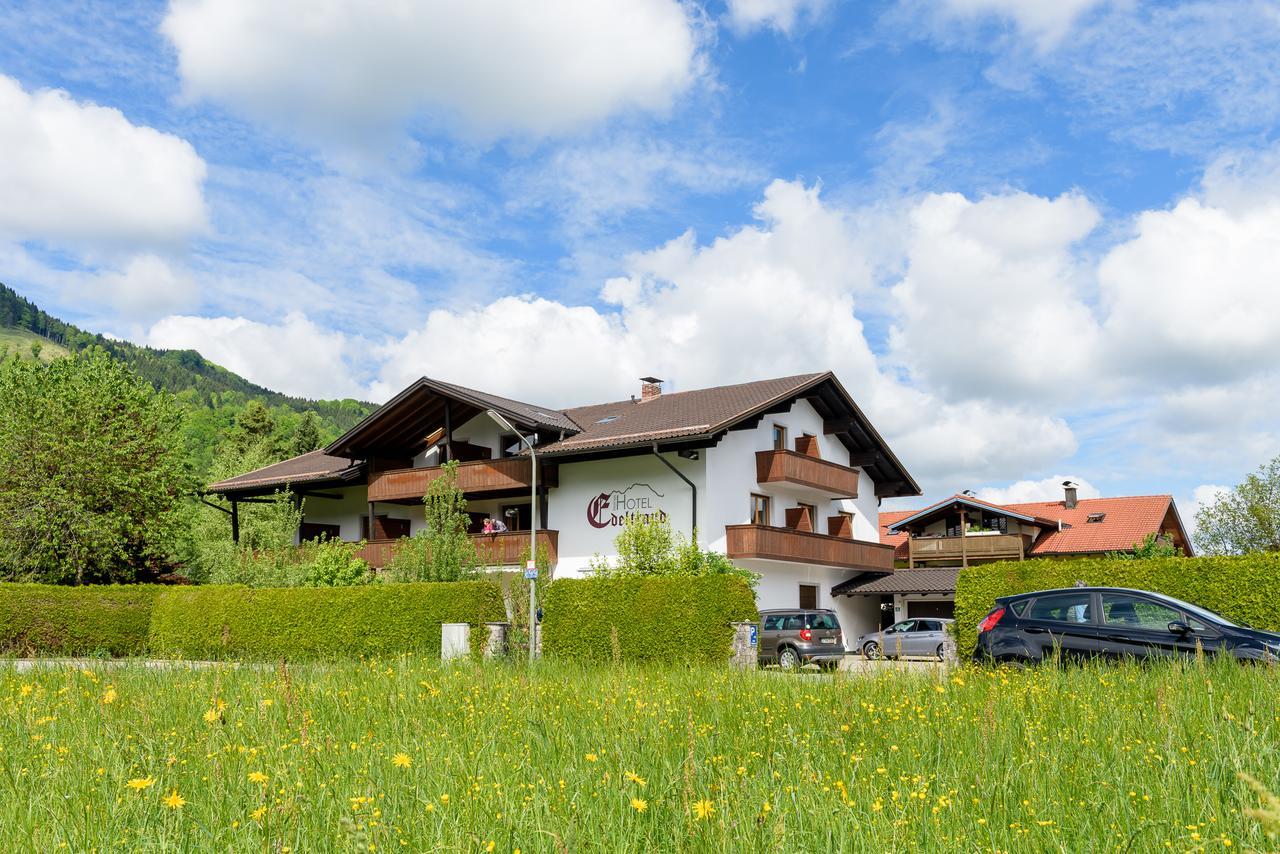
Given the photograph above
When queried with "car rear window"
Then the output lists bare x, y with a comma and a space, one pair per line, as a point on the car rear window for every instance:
1062, 608
823, 621
1019, 607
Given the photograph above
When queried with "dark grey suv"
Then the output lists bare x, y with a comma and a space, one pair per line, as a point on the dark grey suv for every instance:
796, 636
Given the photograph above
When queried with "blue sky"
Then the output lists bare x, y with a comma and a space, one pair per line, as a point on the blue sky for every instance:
1035, 239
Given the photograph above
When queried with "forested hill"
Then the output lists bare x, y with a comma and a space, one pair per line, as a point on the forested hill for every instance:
210, 393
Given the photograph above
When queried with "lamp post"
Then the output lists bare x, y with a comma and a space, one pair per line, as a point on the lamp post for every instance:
533, 529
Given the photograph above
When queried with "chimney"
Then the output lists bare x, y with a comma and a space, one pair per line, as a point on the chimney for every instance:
1069, 495
650, 388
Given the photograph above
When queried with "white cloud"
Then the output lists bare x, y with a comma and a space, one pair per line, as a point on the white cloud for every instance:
781, 15
1047, 489
990, 306
351, 68
78, 171
146, 285
294, 356
1045, 21
769, 299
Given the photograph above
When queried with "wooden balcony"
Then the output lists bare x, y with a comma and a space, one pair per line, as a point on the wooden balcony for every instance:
983, 547
479, 477
505, 549
783, 466
786, 544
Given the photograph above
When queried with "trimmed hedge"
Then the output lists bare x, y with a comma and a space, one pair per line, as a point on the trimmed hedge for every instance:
318, 622
1243, 589
46, 619
671, 619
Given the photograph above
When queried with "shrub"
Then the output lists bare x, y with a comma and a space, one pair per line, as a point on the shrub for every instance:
1243, 589
40, 619
639, 618
319, 622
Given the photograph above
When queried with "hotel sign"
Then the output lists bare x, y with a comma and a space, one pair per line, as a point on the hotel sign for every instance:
612, 509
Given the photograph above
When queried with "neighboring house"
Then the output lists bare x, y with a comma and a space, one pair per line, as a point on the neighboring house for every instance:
933, 544
784, 476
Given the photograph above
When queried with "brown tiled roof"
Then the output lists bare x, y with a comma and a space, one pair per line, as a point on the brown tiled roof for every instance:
1128, 520
673, 415
306, 468
941, 580
533, 413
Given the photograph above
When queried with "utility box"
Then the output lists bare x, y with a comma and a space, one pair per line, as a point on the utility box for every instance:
455, 641
495, 645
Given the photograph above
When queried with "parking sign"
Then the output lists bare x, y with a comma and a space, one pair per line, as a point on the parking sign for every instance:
754, 632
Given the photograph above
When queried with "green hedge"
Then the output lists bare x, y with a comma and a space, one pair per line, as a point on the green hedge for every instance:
670, 619
1244, 589
318, 622
44, 619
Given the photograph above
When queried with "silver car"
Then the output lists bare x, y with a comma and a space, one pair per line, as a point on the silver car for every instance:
921, 636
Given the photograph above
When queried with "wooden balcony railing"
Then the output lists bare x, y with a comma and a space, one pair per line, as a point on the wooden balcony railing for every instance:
974, 546
768, 543
505, 549
474, 478
783, 466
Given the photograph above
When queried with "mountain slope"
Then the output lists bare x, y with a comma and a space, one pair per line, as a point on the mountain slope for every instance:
211, 395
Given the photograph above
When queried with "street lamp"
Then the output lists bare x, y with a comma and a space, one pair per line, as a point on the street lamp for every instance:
533, 530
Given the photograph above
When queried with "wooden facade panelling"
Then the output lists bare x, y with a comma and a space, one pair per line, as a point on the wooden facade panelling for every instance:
785, 544
505, 549
840, 525
474, 478
808, 445
783, 466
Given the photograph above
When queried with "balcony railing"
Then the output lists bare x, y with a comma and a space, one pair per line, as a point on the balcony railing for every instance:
505, 549
974, 546
479, 477
786, 544
783, 466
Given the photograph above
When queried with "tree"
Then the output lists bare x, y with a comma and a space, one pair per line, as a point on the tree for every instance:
254, 429
1246, 518
442, 551
307, 437
1152, 546
91, 471
648, 546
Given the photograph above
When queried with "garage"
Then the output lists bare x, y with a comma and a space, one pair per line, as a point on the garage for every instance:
915, 593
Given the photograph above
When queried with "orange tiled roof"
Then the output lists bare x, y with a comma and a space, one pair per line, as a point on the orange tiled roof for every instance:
1128, 520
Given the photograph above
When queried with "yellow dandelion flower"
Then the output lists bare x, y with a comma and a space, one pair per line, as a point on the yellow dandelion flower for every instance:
635, 778
444, 799
257, 777
639, 804
591, 757
27, 689
489, 848
401, 760
174, 801
703, 809
212, 716
259, 814
109, 695
140, 783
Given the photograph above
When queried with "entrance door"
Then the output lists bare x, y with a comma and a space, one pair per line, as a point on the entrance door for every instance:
809, 596
944, 608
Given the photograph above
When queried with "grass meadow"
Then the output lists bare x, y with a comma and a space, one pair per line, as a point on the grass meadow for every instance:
408, 754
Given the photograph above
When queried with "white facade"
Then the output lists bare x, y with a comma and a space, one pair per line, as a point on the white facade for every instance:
593, 496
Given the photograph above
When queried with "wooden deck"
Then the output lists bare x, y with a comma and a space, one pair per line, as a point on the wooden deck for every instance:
786, 544
505, 549
983, 547
785, 466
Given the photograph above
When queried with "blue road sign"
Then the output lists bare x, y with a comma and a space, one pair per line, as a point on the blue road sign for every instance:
754, 633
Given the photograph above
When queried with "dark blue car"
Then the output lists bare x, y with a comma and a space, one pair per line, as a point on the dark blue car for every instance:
1112, 622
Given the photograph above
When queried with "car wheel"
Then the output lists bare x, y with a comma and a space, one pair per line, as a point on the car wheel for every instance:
872, 650
789, 659
938, 652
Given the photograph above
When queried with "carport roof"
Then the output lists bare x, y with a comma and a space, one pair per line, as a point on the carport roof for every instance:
940, 580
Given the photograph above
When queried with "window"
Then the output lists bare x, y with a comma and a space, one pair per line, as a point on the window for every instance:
1063, 608
793, 622
318, 531
1095, 517
779, 437
509, 444
773, 622
607, 419
823, 621
1138, 613
993, 522
808, 596
904, 626
759, 509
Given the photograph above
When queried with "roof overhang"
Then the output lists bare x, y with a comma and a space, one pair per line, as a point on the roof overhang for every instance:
957, 501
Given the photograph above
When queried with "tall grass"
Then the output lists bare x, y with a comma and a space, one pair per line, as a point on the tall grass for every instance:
406, 754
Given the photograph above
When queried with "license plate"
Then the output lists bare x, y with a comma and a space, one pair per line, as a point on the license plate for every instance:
826, 640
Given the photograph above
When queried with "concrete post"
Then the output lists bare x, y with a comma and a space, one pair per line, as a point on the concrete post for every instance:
745, 646
950, 654
455, 641
495, 645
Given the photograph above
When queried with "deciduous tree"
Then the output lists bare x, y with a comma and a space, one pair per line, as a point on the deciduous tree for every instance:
1244, 519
